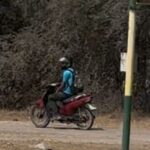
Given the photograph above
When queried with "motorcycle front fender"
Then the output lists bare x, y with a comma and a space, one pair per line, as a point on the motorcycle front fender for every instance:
90, 106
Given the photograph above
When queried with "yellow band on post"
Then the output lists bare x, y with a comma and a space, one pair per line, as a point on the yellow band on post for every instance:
130, 54
128, 88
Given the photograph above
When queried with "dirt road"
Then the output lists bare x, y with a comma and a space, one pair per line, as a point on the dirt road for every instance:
25, 131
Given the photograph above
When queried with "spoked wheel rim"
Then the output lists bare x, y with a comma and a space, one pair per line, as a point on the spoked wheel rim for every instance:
86, 119
39, 117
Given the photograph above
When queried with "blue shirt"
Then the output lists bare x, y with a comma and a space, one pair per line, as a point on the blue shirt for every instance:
68, 80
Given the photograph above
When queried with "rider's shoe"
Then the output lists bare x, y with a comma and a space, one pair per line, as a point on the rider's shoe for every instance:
56, 117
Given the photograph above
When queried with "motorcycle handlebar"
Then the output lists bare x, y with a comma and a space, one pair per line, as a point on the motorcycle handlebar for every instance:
52, 85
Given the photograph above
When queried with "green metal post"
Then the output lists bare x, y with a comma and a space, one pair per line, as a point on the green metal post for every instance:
132, 4
129, 76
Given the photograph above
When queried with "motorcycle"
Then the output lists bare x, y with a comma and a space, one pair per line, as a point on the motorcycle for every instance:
77, 110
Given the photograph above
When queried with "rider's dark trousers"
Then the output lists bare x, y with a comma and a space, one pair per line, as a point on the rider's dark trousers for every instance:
53, 99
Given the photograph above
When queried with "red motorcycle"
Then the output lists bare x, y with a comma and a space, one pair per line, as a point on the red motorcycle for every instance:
77, 110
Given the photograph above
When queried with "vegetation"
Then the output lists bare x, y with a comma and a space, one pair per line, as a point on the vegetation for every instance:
35, 33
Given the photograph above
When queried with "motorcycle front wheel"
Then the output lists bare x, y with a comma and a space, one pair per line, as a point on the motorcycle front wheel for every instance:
39, 117
86, 119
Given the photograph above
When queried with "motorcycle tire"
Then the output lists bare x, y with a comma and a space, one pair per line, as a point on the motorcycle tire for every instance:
39, 117
86, 119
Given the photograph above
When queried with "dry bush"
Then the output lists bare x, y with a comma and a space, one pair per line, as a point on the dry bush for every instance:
92, 32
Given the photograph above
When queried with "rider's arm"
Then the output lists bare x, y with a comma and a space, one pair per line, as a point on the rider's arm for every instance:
60, 88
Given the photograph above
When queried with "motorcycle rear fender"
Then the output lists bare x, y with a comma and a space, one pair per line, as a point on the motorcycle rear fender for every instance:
71, 107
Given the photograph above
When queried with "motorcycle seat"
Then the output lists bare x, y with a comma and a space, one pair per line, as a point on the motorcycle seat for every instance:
68, 100
71, 99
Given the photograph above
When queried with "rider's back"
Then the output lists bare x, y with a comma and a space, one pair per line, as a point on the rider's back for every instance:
68, 79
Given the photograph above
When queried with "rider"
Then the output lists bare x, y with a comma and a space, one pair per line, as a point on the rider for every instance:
65, 90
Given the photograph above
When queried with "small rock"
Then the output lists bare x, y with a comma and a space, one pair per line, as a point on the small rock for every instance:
15, 119
42, 146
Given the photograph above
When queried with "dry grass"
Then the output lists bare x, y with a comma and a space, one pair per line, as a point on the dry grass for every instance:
113, 120
6, 115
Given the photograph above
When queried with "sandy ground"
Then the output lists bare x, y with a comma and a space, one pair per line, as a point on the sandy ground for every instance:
18, 133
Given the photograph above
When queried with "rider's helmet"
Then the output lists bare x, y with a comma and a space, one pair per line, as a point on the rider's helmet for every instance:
64, 62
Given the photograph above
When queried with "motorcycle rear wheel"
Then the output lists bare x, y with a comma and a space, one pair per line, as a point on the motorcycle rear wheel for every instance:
86, 119
39, 117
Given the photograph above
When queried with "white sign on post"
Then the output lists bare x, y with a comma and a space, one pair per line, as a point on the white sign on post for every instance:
123, 62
